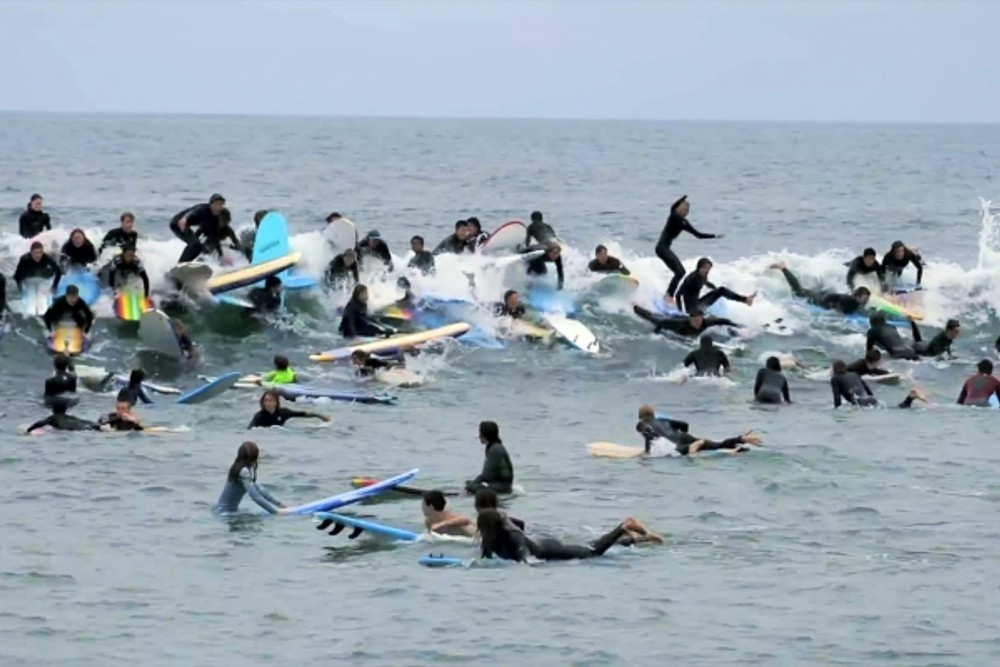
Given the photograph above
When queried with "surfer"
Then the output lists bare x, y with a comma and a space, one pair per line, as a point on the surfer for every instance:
121, 236
62, 382
884, 335
941, 342
439, 519
552, 255
34, 220
72, 305
355, 321
422, 260
498, 470
898, 258
689, 294
124, 268
366, 366
870, 364
454, 243
343, 269
267, 298
708, 359
865, 264
981, 387
37, 263
248, 236
409, 300
373, 246
477, 237
771, 386
540, 232
688, 325
184, 224
122, 419
849, 387
134, 391
676, 432
242, 480
183, 340
77, 251
677, 222
282, 373
842, 303
605, 263
511, 306
271, 412
61, 421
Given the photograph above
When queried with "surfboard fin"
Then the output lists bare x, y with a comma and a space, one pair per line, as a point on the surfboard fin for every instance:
337, 529
355, 533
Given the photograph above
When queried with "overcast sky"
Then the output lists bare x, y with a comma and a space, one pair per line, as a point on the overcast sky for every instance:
659, 59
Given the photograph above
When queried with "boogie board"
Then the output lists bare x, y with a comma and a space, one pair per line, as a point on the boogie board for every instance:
270, 243
394, 344
369, 526
505, 238
354, 496
67, 338
36, 296
341, 234
248, 275
209, 390
85, 281
156, 333
573, 332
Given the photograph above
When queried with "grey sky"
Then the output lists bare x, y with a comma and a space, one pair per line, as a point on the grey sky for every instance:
805, 60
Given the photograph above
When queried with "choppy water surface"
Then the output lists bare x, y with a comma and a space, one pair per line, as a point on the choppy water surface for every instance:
856, 537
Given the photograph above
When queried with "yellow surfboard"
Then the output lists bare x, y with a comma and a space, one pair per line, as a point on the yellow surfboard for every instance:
67, 339
248, 275
610, 450
394, 343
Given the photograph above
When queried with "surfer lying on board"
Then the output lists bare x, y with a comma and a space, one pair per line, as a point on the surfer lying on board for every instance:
884, 335
373, 246
423, 259
122, 419
708, 359
242, 480
366, 366
690, 325
871, 364
511, 306
865, 264
343, 269
979, 388
62, 382
689, 294
498, 471
454, 243
267, 299
77, 251
272, 414
898, 258
842, 303
282, 373
122, 235
849, 387
553, 255
36, 263
355, 320
61, 421
69, 304
771, 386
675, 431
124, 268
605, 263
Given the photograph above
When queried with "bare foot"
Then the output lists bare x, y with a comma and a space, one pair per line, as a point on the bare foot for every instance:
695, 447
751, 438
778, 266
751, 298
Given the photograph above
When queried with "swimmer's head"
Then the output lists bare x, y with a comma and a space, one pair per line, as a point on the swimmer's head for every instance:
433, 501
647, 412
773, 363
839, 366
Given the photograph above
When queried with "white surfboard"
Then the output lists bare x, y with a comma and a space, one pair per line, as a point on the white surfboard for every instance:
889, 378
504, 262
505, 238
341, 234
157, 334
610, 450
36, 296
573, 332
191, 275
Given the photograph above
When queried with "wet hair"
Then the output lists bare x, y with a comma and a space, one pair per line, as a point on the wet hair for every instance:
491, 526
333, 216
876, 317
280, 362
951, 325
359, 355
216, 198
350, 253
703, 262
273, 394
487, 499
873, 355
489, 431
896, 245
358, 291
136, 376
35, 197
536, 216
986, 367
417, 238
259, 215
225, 217
647, 412
82, 233
460, 224
246, 457
474, 221
72, 290
869, 252
673, 207
839, 366
511, 292
600, 248
61, 363
696, 312
126, 216
435, 499
706, 340
37, 246
272, 281
773, 363
59, 405
862, 291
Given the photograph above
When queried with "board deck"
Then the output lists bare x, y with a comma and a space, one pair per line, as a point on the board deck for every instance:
611, 450
891, 378
209, 390
156, 332
248, 275
130, 305
574, 332
86, 282
394, 344
505, 238
353, 496
369, 526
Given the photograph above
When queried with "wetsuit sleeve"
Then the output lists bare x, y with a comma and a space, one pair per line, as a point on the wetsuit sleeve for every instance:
867, 389
559, 272
836, 392
230, 234
493, 471
91, 253
686, 226
517, 522
22, 268
50, 316
784, 391
758, 381
675, 325
88, 316
915, 330
719, 322
57, 272
622, 269
852, 270
962, 395
678, 425
288, 413
725, 360
41, 423
24, 229
263, 499
255, 420
689, 359
145, 282
870, 340
917, 262
347, 325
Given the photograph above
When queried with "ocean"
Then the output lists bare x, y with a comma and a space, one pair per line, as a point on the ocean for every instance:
855, 537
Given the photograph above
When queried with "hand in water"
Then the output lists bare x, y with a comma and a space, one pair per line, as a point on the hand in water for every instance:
720, 236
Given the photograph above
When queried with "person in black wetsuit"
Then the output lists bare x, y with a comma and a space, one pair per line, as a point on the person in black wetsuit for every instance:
126, 267
677, 222
34, 220
343, 269
884, 335
183, 339
3, 297
267, 299
422, 260
691, 325
72, 305
898, 258
372, 246
689, 294
36, 263
511, 306
870, 364
355, 320
842, 303
477, 237
134, 392
249, 236
454, 243
849, 387
272, 414
61, 421
366, 366
540, 232
981, 387
122, 419
996, 345
941, 342
553, 255
498, 470
708, 359
121, 236
865, 264
77, 251
675, 431
61, 383
202, 228
605, 263
771, 386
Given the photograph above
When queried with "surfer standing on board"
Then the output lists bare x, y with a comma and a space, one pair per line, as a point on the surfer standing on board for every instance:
677, 222
689, 294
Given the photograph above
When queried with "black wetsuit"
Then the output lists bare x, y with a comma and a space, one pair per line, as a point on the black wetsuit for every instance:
676, 224
28, 268
60, 308
133, 393
978, 389
113, 420
935, 347
513, 544
354, 321
58, 385
858, 267
770, 387
537, 267
264, 299
501, 310
121, 274
680, 325
204, 232
373, 366
422, 261
65, 422
32, 223
894, 267
842, 303
497, 473
339, 273
3, 297
862, 368
707, 360
851, 388
375, 248
119, 238
676, 431
885, 336
612, 265
451, 244
265, 419
541, 232
185, 343
476, 241
84, 255
689, 294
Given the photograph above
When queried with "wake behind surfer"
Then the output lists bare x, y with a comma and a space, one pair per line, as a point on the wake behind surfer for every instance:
677, 222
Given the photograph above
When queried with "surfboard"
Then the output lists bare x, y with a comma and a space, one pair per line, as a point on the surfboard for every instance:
156, 333
891, 378
361, 482
548, 299
191, 275
994, 403
210, 390
573, 332
353, 496
130, 305
36, 296
398, 377
341, 234
369, 526
610, 450
248, 275
301, 391
505, 262
85, 281
615, 286
395, 343
396, 313
270, 243
67, 338
440, 560
505, 238
234, 301
523, 329
898, 312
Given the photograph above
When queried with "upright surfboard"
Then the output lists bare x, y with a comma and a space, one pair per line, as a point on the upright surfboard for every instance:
156, 333
505, 238
573, 332
395, 343
341, 234
270, 243
67, 338
36, 296
248, 275
85, 281
130, 304
210, 390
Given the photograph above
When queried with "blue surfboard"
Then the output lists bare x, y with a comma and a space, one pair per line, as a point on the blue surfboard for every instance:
85, 281
355, 496
440, 560
301, 391
210, 390
370, 526
270, 243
